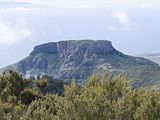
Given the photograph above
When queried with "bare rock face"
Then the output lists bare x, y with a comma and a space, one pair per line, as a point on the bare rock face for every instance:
50, 48
77, 59
69, 49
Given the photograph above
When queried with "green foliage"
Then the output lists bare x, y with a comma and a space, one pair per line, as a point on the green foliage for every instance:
43, 109
41, 83
99, 98
11, 84
28, 95
54, 86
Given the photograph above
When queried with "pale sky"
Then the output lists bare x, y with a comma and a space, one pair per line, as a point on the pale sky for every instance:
132, 25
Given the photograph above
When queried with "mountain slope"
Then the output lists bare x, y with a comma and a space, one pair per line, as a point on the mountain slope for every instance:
78, 59
153, 57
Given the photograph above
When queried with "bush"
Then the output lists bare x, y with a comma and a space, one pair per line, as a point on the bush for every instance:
28, 95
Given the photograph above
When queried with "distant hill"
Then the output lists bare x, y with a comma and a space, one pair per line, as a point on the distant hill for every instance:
78, 59
153, 57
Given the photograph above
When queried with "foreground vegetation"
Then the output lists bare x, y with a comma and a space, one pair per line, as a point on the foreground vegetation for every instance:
97, 99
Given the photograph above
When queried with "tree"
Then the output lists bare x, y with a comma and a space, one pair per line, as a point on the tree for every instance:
28, 95
12, 83
41, 109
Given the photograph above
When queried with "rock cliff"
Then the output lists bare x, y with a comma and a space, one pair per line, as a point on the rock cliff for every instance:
77, 59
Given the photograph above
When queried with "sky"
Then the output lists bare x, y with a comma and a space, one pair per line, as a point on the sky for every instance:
131, 25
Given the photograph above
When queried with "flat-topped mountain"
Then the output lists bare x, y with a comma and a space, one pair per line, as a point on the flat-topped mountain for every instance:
78, 59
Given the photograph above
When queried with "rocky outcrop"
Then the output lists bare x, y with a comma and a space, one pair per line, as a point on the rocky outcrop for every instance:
49, 48
83, 47
77, 59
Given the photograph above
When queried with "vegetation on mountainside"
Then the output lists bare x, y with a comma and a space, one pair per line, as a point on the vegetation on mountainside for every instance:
79, 59
99, 98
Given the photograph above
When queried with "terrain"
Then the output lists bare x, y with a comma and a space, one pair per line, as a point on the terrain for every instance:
153, 57
78, 59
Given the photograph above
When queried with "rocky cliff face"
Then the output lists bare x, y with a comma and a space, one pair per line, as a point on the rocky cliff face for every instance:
77, 59
63, 57
65, 49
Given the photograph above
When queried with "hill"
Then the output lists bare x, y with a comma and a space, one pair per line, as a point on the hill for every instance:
153, 57
78, 59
